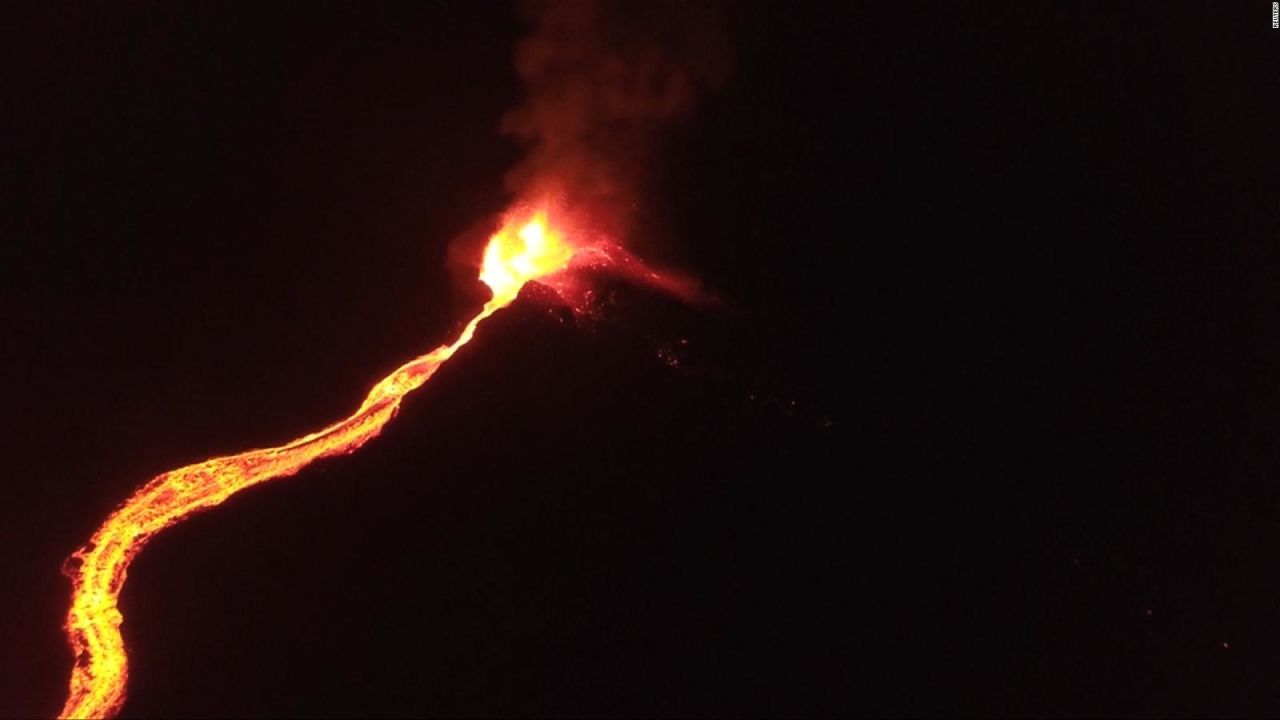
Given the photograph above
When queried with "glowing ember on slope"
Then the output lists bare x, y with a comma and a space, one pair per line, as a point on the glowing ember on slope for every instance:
521, 251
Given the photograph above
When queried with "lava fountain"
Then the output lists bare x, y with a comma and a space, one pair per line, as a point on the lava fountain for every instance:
526, 249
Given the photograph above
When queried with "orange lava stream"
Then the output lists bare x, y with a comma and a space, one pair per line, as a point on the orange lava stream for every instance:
98, 570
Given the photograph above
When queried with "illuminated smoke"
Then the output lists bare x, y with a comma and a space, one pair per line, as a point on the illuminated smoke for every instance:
601, 80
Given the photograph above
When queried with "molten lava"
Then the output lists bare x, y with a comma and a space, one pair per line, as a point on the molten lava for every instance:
519, 252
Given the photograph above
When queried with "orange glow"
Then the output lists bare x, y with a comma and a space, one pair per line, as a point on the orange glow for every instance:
521, 251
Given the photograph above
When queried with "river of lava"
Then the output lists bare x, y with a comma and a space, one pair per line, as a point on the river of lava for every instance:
519, 252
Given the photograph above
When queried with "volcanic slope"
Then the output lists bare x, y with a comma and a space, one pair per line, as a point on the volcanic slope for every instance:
580, 514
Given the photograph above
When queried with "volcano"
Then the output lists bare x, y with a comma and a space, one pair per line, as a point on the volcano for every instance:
985, 424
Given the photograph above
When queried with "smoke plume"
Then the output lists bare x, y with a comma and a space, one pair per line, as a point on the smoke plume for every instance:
601, 80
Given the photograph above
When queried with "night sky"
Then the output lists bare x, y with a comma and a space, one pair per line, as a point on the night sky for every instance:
985, 421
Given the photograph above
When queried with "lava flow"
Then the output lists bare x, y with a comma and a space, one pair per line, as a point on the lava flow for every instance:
516, 254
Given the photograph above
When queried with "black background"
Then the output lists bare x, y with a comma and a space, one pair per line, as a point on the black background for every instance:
985, 424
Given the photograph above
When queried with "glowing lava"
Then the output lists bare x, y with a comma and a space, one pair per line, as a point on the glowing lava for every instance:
516, 254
